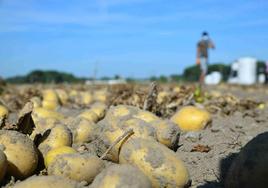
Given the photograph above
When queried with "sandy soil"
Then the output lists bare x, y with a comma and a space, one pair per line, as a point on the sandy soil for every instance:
226, 136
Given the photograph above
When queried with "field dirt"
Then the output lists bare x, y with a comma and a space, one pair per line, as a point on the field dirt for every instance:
239, 113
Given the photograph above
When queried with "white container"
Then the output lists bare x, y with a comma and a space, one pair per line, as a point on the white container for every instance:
213, 78
247, 68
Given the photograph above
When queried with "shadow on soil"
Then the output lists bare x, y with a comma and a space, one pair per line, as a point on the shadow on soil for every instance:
253, 156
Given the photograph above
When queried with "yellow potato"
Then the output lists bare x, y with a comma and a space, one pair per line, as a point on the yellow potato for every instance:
161, 165
45, 113
50, 99
167, 133
146, 116
121, 176
36, 102
21, 153
59, 136
62, 95
161, 97
99, 109
52, 154
86, 98
79, 167
141, 128
47, 182
191, 118
89, 115
120, 111
50, 95
100, 96
50, 105
3, 111
109, 137
83, 130
3, 164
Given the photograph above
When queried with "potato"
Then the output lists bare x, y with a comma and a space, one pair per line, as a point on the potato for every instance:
121, 112
36, 102
86, 98
47, 182
89, 115
167, 133
99, 109
100, 96
161, 97
59, 136
21, 153
52, 154
3, 164
50, 99
62, 96
80, 167
3, 111
109, 136
116, 176
83, 130
45, 113
191, 118
50, 95
146, 116
141, 128
250, 168
161, 165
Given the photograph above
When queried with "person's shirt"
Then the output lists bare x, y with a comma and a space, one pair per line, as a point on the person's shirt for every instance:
203, 46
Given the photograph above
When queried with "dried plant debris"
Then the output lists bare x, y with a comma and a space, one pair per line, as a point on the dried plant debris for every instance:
201, 148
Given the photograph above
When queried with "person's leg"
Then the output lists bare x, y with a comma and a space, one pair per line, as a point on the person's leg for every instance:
203, 68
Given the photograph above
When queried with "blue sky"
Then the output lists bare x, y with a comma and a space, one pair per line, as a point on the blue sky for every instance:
136, 38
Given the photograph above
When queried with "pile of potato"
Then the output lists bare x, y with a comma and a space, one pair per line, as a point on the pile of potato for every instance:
99, 147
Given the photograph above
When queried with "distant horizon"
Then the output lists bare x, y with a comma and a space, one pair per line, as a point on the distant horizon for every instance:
131, 38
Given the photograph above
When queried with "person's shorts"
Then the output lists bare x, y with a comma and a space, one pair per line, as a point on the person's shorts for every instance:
204, 64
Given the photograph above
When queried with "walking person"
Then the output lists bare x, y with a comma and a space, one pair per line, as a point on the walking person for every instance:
202, 55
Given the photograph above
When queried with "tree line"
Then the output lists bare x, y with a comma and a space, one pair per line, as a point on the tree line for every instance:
190, 74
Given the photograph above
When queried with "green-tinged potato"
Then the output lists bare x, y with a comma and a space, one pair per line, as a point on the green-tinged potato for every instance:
167, 133
250, 168
3, 111
80, 167
83, 130
47, 182
3, 164
59, 135
161, 165
116, 176
146, 116
52, 154
21, 153
89, 115
191, 118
